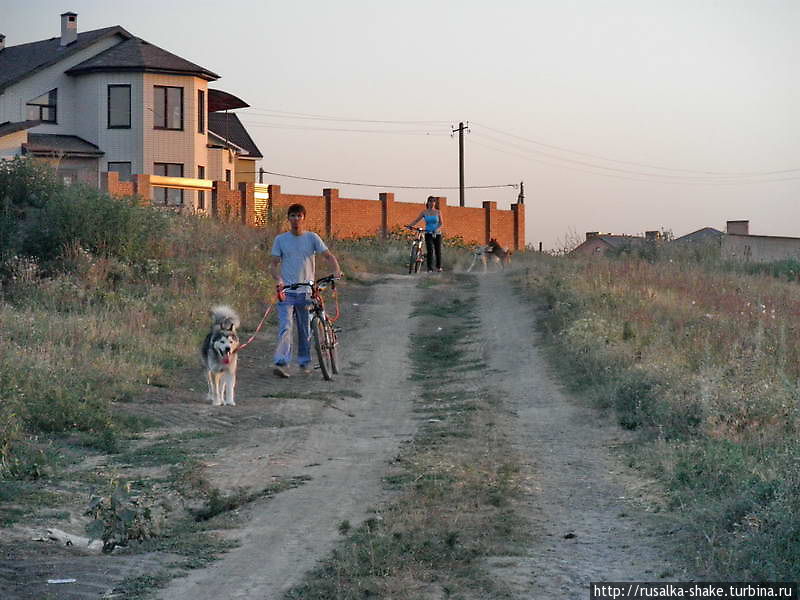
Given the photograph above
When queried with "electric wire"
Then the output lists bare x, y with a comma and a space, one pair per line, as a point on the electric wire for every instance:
295, 115
404, 187
339, 129
628, 178
650, 166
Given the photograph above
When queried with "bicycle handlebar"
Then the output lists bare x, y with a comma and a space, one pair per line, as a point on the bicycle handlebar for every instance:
320, 283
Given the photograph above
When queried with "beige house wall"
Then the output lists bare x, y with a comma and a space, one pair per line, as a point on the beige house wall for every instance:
245, 170
757, 248
119, 145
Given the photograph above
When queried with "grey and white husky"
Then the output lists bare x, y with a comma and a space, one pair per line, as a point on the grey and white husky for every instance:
219, 355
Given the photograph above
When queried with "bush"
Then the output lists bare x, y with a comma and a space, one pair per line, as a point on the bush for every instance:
106, 226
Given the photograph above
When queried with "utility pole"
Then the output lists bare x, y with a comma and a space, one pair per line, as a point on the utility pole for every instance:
460, 131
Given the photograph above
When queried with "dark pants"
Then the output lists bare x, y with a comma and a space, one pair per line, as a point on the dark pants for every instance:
433, 243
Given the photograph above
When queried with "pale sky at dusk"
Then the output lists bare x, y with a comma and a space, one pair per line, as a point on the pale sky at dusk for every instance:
677, 92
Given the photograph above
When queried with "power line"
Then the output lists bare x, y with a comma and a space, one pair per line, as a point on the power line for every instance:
707, 173
632, 178
405, 187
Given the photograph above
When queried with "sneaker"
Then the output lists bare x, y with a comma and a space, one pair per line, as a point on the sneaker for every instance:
305, 369
280, 371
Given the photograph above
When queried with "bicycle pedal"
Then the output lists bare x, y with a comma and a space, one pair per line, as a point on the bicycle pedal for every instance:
337, 330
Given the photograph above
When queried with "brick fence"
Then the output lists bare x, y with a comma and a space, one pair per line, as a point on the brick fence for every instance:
334, 217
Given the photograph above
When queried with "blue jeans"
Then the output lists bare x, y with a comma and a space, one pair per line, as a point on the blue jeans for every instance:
293, 312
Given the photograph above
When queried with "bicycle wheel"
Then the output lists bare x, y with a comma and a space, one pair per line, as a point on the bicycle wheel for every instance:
320, 345
413, 265
330, 336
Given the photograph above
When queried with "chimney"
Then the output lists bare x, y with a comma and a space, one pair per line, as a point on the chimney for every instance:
69, 28
2, 41
592, 234
738, 227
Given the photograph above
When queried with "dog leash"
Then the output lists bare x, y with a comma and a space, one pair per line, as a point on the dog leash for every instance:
252, 337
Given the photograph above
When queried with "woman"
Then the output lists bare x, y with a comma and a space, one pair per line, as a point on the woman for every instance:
433, 232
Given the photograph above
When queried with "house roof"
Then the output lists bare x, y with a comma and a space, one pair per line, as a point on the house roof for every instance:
701, 235
49, 143
618, 241
219, 100
18, 62
8, 127
227, 126
135, 54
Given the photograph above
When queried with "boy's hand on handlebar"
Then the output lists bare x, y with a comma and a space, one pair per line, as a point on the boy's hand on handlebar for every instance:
280, 293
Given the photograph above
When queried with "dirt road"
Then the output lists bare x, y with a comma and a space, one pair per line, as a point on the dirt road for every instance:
592, 518
345, 456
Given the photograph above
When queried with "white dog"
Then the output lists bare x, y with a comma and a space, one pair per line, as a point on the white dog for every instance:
219, 355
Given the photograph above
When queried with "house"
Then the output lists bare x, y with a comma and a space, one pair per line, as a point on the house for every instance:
597, 244
739, 244
106, 100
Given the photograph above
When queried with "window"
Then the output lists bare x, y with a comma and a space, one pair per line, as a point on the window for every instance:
123, 168
168, 109
228, 177
168, 196
119, 106
43, 108
201, 195
201, 111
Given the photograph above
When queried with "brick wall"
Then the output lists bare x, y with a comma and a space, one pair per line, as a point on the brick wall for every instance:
335, 217
110, 183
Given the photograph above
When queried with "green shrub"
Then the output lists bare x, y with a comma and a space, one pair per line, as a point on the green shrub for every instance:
87, 218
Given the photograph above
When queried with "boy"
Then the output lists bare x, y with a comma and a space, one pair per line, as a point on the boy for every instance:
293, 262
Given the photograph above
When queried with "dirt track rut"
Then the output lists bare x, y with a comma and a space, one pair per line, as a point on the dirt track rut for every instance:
591, 517
344, 456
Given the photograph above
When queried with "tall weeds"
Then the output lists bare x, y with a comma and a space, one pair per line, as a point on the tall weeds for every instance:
703, 360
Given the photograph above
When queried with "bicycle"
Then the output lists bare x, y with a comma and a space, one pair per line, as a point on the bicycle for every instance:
417, 249
322, 329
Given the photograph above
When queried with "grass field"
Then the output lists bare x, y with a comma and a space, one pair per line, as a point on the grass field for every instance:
703, 360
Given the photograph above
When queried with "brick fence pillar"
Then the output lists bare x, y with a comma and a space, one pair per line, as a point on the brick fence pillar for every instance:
387, 211
109, 181
247, 203
142, 188
489, 208
519, 226
331, 196
274, 193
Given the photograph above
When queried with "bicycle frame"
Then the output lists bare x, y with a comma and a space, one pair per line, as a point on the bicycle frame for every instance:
417, 250
322, 330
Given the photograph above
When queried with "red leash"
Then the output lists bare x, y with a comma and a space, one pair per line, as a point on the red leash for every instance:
252, 337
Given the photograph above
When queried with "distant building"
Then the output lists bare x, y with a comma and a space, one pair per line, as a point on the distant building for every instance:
597, 243
739, 244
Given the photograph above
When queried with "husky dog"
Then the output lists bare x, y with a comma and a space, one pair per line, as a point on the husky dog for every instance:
219, 355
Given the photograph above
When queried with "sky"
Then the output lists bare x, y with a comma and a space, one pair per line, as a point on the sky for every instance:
618, 115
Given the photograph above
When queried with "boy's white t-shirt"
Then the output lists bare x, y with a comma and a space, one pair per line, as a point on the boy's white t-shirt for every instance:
297, 255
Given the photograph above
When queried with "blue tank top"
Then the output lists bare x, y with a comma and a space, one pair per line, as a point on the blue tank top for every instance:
431, 223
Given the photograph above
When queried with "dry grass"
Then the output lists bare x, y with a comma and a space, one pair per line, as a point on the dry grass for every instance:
705, 362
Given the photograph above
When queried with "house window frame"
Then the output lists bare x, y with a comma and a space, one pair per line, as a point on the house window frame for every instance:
201, 111
201, 195
129, 177
166, 107
108, 105
53, 106
161, 195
